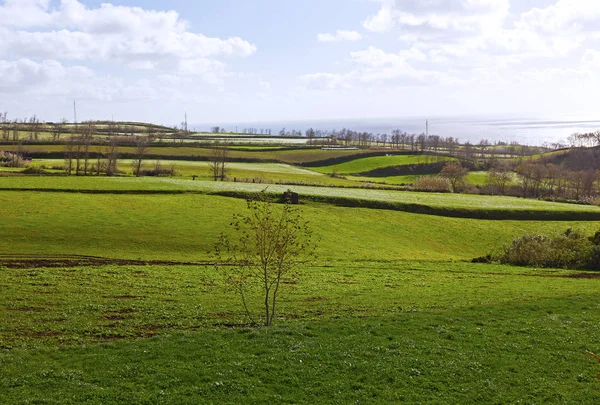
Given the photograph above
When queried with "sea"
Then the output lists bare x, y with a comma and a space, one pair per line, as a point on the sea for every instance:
524, 130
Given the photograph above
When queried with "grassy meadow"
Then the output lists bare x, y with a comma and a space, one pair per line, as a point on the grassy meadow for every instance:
445, 204
393, 310
290, 155
364, 165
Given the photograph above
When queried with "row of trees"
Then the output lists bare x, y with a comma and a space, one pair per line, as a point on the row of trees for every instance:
533, 179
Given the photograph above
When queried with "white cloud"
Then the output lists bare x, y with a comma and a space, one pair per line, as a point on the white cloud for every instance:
419, 20
327, 81
591, 58
563, 16
129, 35
374, 67
340, 35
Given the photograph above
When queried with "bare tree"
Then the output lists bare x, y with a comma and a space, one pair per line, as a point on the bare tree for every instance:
58, 128
498, 178
112, 155
15, 130
454, 172
88, 133
141, 147
268, 245
218, 161
69, 152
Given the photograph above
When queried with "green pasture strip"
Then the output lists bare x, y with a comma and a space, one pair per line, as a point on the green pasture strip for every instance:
404, 333
275, 154
365, 165
185, 227
82, 304
243, 172
456, 205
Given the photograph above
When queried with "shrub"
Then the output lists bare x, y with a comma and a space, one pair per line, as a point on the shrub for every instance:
570, 250
433, 183
34, 170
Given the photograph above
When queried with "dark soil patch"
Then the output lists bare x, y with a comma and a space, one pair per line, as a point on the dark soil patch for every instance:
123, 311
223, 315
234, 325
26, 309
585, 275
67, 261
125, 297
151, 327
115, 318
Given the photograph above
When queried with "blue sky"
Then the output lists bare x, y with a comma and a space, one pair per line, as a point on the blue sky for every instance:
276, 60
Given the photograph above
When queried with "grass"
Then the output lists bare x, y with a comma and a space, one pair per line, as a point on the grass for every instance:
412, 332
184, 227
243, 172
391, 313
365, 165
461, 205
273, 154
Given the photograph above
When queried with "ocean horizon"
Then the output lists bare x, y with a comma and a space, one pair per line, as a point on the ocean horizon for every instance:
525, 130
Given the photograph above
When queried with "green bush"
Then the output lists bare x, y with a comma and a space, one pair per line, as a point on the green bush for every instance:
570, 250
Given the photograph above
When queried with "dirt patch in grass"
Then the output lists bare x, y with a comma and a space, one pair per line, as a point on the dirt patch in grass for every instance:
115, 317
585, 275
123, 311
68, 261
26, 309
234, 325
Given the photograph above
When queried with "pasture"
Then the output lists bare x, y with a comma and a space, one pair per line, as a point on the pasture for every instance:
392, 311
264, 154
461, 205
364, 165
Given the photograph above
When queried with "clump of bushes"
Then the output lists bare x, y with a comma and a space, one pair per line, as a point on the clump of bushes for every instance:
34, 170
569, 250
433, 183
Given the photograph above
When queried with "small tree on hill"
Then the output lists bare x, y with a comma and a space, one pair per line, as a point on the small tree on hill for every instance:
141, 147
268, 245
218, 161
454, 172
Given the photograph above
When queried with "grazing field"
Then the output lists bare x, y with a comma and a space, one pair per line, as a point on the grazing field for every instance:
462, 205
185, 152
416, 332
392, 311
184, 227
243, 172
365, 165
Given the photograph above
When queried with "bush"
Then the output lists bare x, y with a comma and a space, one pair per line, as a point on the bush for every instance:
433, 183
34, 170
570, 250
158, 171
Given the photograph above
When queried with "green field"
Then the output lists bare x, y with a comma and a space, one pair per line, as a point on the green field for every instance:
184, 227
262, 154
365, 165
392, 312
242, 172
478, 206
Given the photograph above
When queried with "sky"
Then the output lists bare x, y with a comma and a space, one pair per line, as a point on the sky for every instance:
224, 61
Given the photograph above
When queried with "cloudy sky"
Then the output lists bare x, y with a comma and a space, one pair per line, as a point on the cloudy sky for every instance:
239, 60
